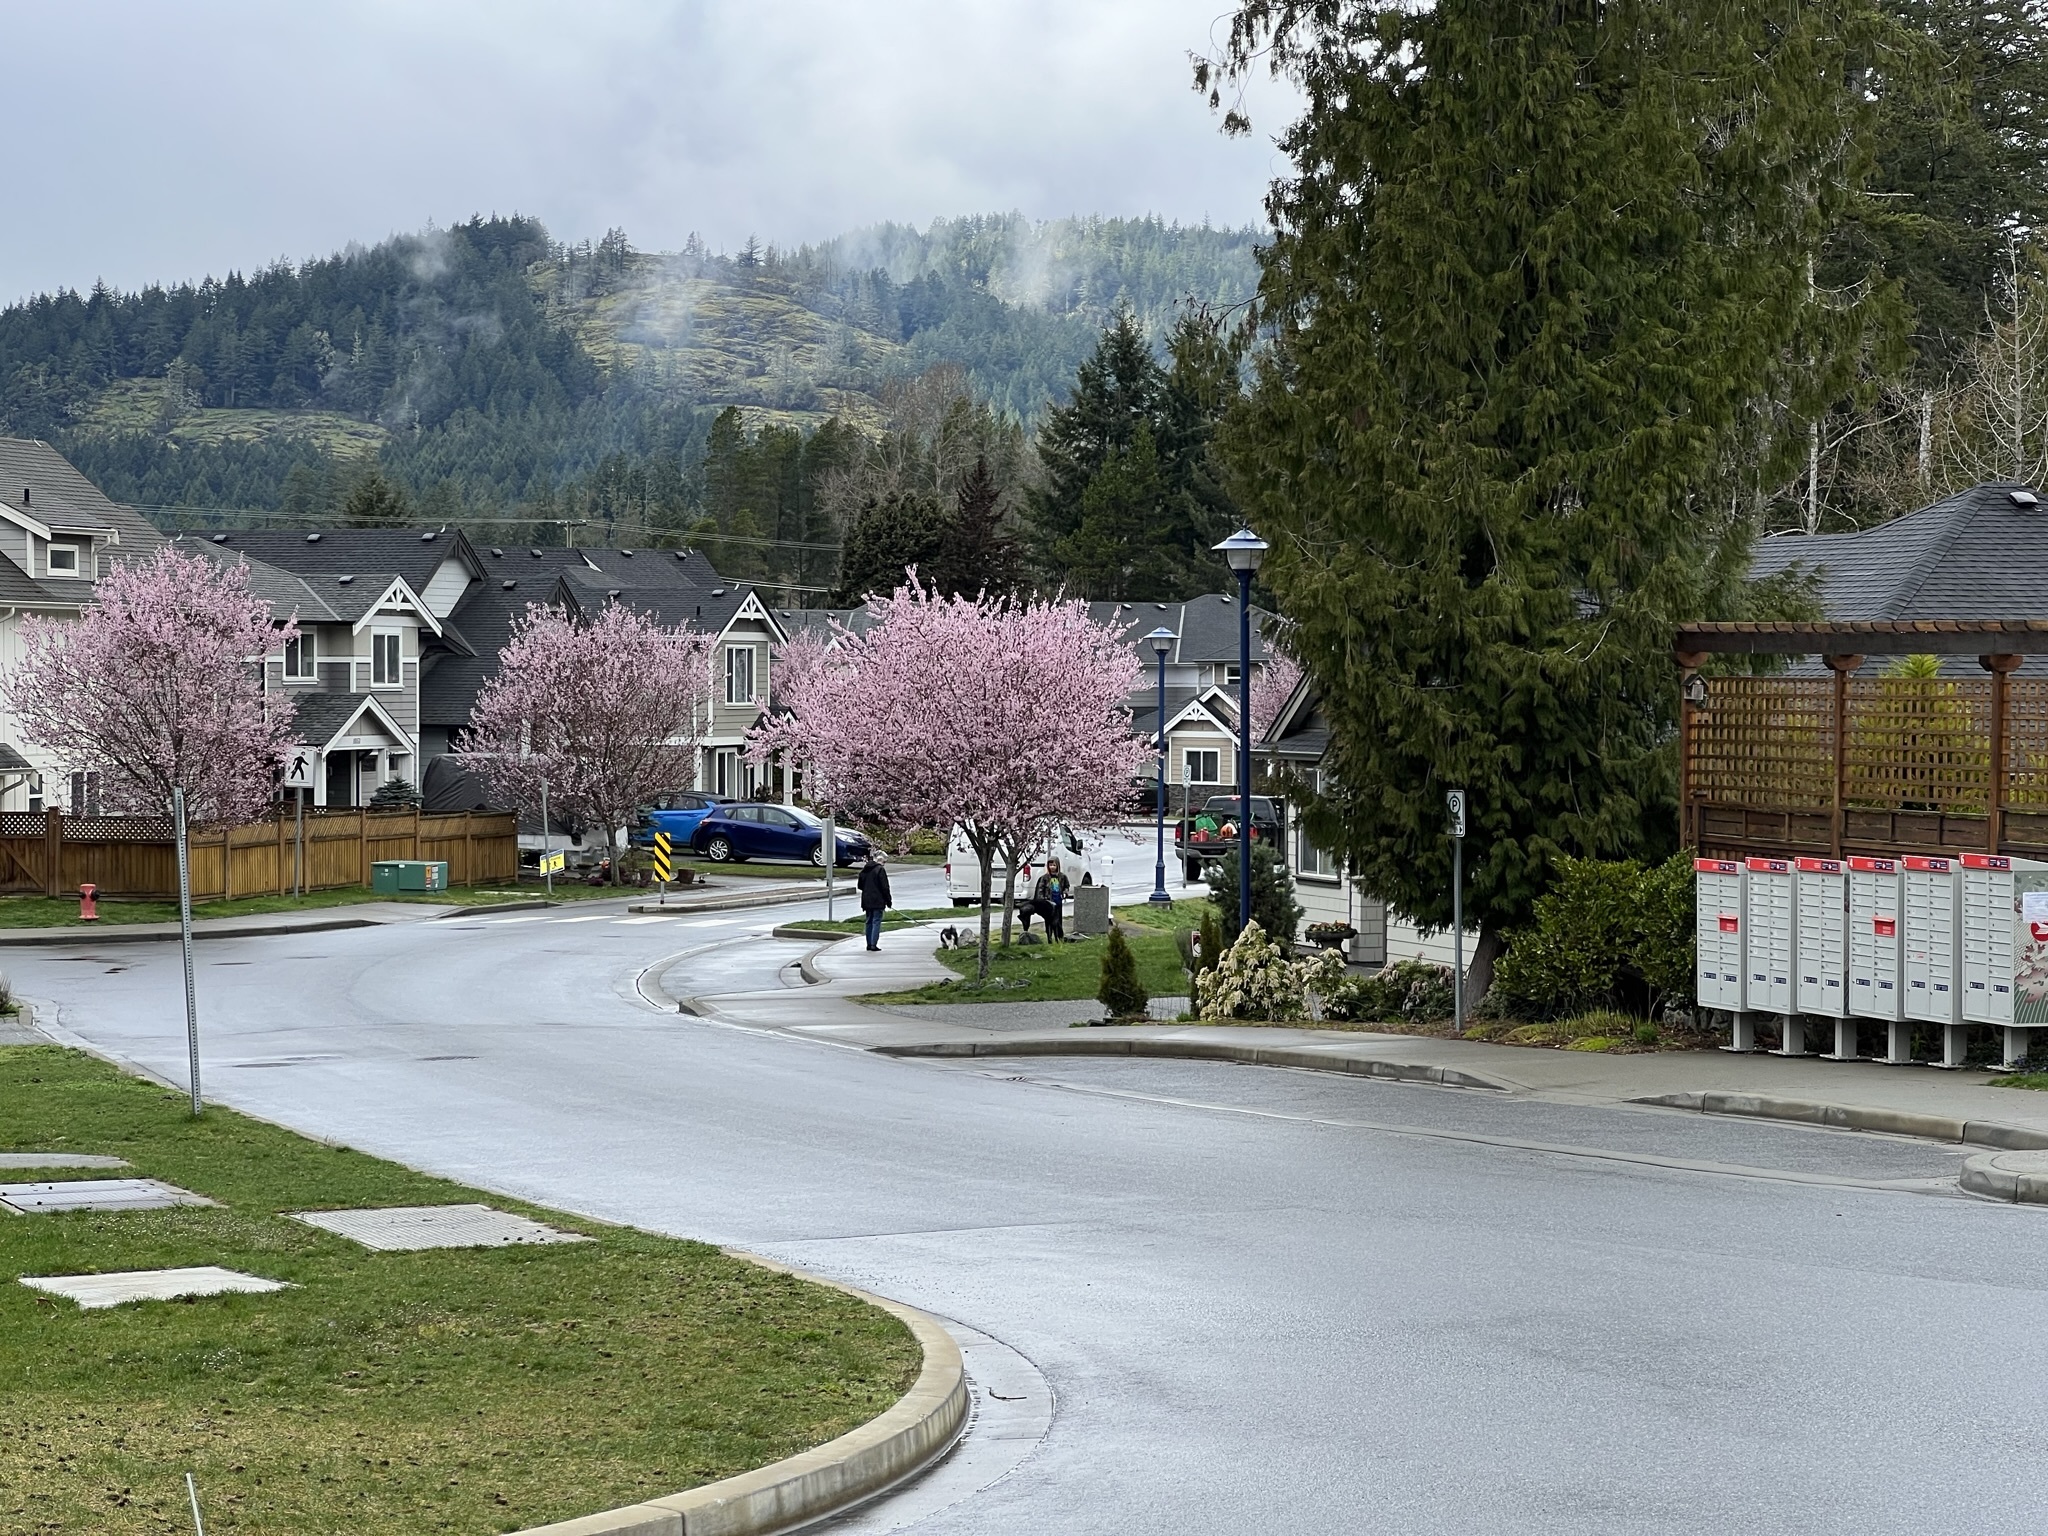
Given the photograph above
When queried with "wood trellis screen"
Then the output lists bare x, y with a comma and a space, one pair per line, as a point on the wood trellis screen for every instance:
1862, 760
50, 852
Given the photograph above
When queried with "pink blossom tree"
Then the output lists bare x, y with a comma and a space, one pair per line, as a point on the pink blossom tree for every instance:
1272, 687
608, 713
159, 687
995, 715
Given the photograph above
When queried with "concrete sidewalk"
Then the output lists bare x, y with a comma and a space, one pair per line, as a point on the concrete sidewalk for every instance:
1914, 1101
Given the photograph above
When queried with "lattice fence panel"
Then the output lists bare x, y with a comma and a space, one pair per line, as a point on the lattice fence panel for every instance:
1918, 744
1767, 742
2026, 724
118, 829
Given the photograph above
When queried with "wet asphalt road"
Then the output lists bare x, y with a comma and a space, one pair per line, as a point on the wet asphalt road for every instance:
1266, 1301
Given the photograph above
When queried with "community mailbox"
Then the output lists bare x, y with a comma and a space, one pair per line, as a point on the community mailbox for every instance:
1717, 904
2005, 946
1875, 989
1773, 942
1821, 895
1933, 931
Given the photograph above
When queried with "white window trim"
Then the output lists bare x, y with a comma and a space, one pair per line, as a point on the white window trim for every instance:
377, 639
1188, 775
309, 657
732, 654
52, 551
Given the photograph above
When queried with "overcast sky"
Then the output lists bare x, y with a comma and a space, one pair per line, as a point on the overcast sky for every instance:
164, 141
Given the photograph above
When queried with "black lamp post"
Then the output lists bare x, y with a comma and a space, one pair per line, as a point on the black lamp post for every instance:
1244, 550
1162, 641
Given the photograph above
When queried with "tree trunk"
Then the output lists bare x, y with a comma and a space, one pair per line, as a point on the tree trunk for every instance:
986, 872
1010, 861
1479, 969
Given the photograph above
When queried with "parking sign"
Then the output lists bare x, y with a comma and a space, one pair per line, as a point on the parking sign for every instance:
1455, 802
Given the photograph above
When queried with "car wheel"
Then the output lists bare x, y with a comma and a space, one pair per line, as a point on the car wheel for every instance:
818, 855
719, 849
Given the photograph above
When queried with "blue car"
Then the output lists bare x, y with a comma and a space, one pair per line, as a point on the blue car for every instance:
780, 833
678, 815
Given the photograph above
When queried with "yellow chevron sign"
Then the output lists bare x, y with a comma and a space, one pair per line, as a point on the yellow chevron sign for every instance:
664, 865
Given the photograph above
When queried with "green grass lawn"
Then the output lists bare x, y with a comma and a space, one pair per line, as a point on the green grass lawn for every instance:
1047, 972
896, 917
454, 1390
62, 911
2021, 1080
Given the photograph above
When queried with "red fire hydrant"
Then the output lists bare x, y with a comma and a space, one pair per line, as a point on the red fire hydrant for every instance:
87, 912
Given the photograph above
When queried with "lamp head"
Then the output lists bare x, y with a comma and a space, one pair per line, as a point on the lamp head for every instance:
1244, 550
1162, 641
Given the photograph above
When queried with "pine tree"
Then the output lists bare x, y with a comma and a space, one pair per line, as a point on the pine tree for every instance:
1274, 908
374, 503
1120, 991
888, 537
1538, 279
977, 552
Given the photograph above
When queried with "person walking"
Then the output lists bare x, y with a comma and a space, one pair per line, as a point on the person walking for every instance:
874, 896
1049, 901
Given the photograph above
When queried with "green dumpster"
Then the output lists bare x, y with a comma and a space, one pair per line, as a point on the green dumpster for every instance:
393, 876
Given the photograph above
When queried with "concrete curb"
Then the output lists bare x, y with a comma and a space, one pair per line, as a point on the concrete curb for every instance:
537, 904
1853, 1117
2020, 1177
1094, 1043
729, 903
860, 1465
116, 935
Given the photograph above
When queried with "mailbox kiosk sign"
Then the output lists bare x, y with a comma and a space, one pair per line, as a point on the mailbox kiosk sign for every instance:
1773, 937
1821, 894
1717, 903
2005, 940
1932, 934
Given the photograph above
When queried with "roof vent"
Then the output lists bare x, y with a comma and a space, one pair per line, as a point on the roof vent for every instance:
24, 495
535, 553
2023, 498
312, 538
682, 554
509, 585
344, 580
627, 553
613, 593
718, 591
426, 538
220, 538
497, 553
1224, 598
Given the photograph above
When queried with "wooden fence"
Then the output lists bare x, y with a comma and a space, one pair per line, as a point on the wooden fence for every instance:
50, 852
1874, 764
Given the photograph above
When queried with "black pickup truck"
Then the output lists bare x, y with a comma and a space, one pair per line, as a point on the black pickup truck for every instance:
1211, 832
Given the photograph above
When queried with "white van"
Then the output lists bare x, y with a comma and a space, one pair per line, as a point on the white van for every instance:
1086, 860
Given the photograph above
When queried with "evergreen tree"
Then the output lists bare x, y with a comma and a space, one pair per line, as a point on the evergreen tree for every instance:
890, 535
1538, 281
1120, 990
976, 551
375, 503
1274, 908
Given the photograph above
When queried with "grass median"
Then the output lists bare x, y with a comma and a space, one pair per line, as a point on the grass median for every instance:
1070, 972
442, 1390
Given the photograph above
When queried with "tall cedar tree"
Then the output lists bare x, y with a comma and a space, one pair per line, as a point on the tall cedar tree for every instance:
890, 536
374, 503
1541, 271
1129, 505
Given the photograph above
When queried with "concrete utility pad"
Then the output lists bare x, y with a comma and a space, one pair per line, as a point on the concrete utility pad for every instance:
91, 1291
97, 1195
400, 1227
58, 1160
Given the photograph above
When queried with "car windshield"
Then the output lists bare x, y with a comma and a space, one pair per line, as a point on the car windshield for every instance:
803, 816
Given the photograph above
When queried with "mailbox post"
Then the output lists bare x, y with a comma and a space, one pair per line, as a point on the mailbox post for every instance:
1454, 802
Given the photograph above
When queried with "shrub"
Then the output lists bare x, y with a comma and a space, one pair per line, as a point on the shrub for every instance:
1255, 979
1412, 991
1121, 992
1210, 947
395, 794
1274, 908
1609, 933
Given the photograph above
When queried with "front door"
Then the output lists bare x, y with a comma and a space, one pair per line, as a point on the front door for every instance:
341, 778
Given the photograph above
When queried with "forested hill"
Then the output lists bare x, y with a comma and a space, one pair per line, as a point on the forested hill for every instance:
485, 366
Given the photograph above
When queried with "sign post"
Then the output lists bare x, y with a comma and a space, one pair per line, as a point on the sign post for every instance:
185, 938
298, 778
830, 846
547, 865
1454, 802
664, 866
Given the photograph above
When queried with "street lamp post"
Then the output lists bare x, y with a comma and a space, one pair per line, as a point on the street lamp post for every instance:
1162, 641
1244, 550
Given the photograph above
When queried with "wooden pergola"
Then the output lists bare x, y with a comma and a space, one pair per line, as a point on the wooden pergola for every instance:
1858, 761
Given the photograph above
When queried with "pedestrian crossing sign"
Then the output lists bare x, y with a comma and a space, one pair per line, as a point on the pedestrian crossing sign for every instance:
553, 863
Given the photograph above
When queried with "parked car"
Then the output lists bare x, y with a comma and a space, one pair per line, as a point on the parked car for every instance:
780, 833
1085, 860
677, 814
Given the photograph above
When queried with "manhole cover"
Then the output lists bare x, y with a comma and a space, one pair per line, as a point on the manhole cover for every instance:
435, 1226
91, 1291
97, 1195
58, 1160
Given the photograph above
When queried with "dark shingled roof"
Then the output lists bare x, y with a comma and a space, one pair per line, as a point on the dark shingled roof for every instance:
1205, 627
414, 553
12, 761
486, 615
61, 497
18, 589
288, 595
707, 608
1974, 555
320, 715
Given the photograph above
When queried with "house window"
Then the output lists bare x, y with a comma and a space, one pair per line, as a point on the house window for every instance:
725, 771
63, 560
1313, 861
384, 671
35, 792
85, 794
739, 674
1230, 675
1203, 767
301, 658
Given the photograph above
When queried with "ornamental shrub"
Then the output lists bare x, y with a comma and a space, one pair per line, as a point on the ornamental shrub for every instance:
1121, 992
1255, 979
1608, 934
1413, 991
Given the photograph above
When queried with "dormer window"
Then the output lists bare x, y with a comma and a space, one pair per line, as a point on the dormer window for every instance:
63, 560
384, 660
301, 658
